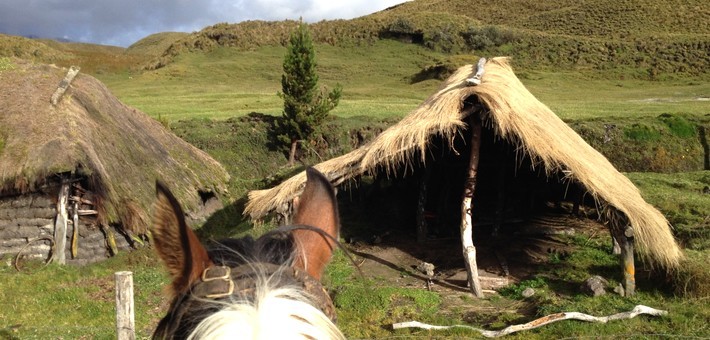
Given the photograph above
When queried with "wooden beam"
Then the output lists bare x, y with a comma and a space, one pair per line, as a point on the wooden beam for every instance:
60, 223
422, 229
63, 85
476, 79
75, 231
501, 189
85, 212
469, 251
81, 200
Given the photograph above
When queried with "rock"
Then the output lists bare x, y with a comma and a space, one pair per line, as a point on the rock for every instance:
426, 268
528, 292
619, 289
594, 286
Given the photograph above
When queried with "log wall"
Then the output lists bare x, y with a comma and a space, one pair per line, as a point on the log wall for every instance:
24, 218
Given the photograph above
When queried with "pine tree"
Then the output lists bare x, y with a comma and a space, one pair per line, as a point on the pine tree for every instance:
305, 108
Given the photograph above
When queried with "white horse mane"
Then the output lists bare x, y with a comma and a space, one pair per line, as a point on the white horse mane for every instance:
275, 313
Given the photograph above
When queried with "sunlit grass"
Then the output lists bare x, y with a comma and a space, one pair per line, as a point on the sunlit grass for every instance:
78, 302
376, 81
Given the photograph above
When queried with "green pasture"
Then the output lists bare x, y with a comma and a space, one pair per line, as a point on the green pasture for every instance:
377, 82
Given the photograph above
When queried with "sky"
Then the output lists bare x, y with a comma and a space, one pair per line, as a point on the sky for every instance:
123, 22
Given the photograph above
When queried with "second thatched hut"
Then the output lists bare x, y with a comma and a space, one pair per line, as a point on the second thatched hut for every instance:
498, 140
78, 170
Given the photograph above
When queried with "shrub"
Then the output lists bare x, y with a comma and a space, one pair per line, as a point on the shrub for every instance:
401, 25
678, 125
642, 133
481, 38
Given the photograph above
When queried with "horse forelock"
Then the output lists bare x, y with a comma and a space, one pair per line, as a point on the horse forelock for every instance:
275, 313
271, 298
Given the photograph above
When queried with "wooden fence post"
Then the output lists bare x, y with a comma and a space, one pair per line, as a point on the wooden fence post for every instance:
125, 320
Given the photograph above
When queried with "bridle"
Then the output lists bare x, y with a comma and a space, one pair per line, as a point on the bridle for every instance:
218, 282
224, 284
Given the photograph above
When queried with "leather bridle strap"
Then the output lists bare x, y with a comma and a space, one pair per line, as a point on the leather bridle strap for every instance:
218, 282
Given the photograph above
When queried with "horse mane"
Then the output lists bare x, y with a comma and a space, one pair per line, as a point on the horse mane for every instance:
275, 247
273, 310
273, 313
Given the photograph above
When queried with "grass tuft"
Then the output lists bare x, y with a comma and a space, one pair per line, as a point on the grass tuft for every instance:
678, 126
642, 133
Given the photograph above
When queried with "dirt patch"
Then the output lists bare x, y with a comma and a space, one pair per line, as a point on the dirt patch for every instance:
393, 259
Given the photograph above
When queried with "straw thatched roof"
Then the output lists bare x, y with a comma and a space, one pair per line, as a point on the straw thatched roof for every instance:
515, 115
90, 133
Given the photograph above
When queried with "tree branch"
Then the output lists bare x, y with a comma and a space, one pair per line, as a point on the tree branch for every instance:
639, 309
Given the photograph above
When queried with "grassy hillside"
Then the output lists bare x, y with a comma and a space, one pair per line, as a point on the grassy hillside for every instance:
13, 46
155, 44
591, 18
227, 82
654, 38
647, 39
384, 79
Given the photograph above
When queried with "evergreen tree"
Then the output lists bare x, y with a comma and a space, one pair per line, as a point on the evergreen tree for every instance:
305, 108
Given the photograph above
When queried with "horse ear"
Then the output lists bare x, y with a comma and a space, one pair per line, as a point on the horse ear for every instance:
176, 244
318, 208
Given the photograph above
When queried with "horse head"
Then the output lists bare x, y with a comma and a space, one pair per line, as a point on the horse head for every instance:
267, 287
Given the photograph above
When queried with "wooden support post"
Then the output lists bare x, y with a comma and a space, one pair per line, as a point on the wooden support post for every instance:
125, 320
110, 239
615, 247
63, 85
500, 184
623, 241
627, 261
422, 229
469, 251
60, 223
75, 231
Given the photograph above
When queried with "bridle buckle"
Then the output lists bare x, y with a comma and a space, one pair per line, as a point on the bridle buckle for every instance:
218, 273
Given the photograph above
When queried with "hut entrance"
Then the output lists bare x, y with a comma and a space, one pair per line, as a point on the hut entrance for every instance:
519, 211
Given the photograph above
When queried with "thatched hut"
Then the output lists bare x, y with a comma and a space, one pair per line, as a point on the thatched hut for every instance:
524, 150
79, 175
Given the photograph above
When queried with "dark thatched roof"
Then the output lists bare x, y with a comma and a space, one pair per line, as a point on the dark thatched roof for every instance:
515, 115
120, 150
